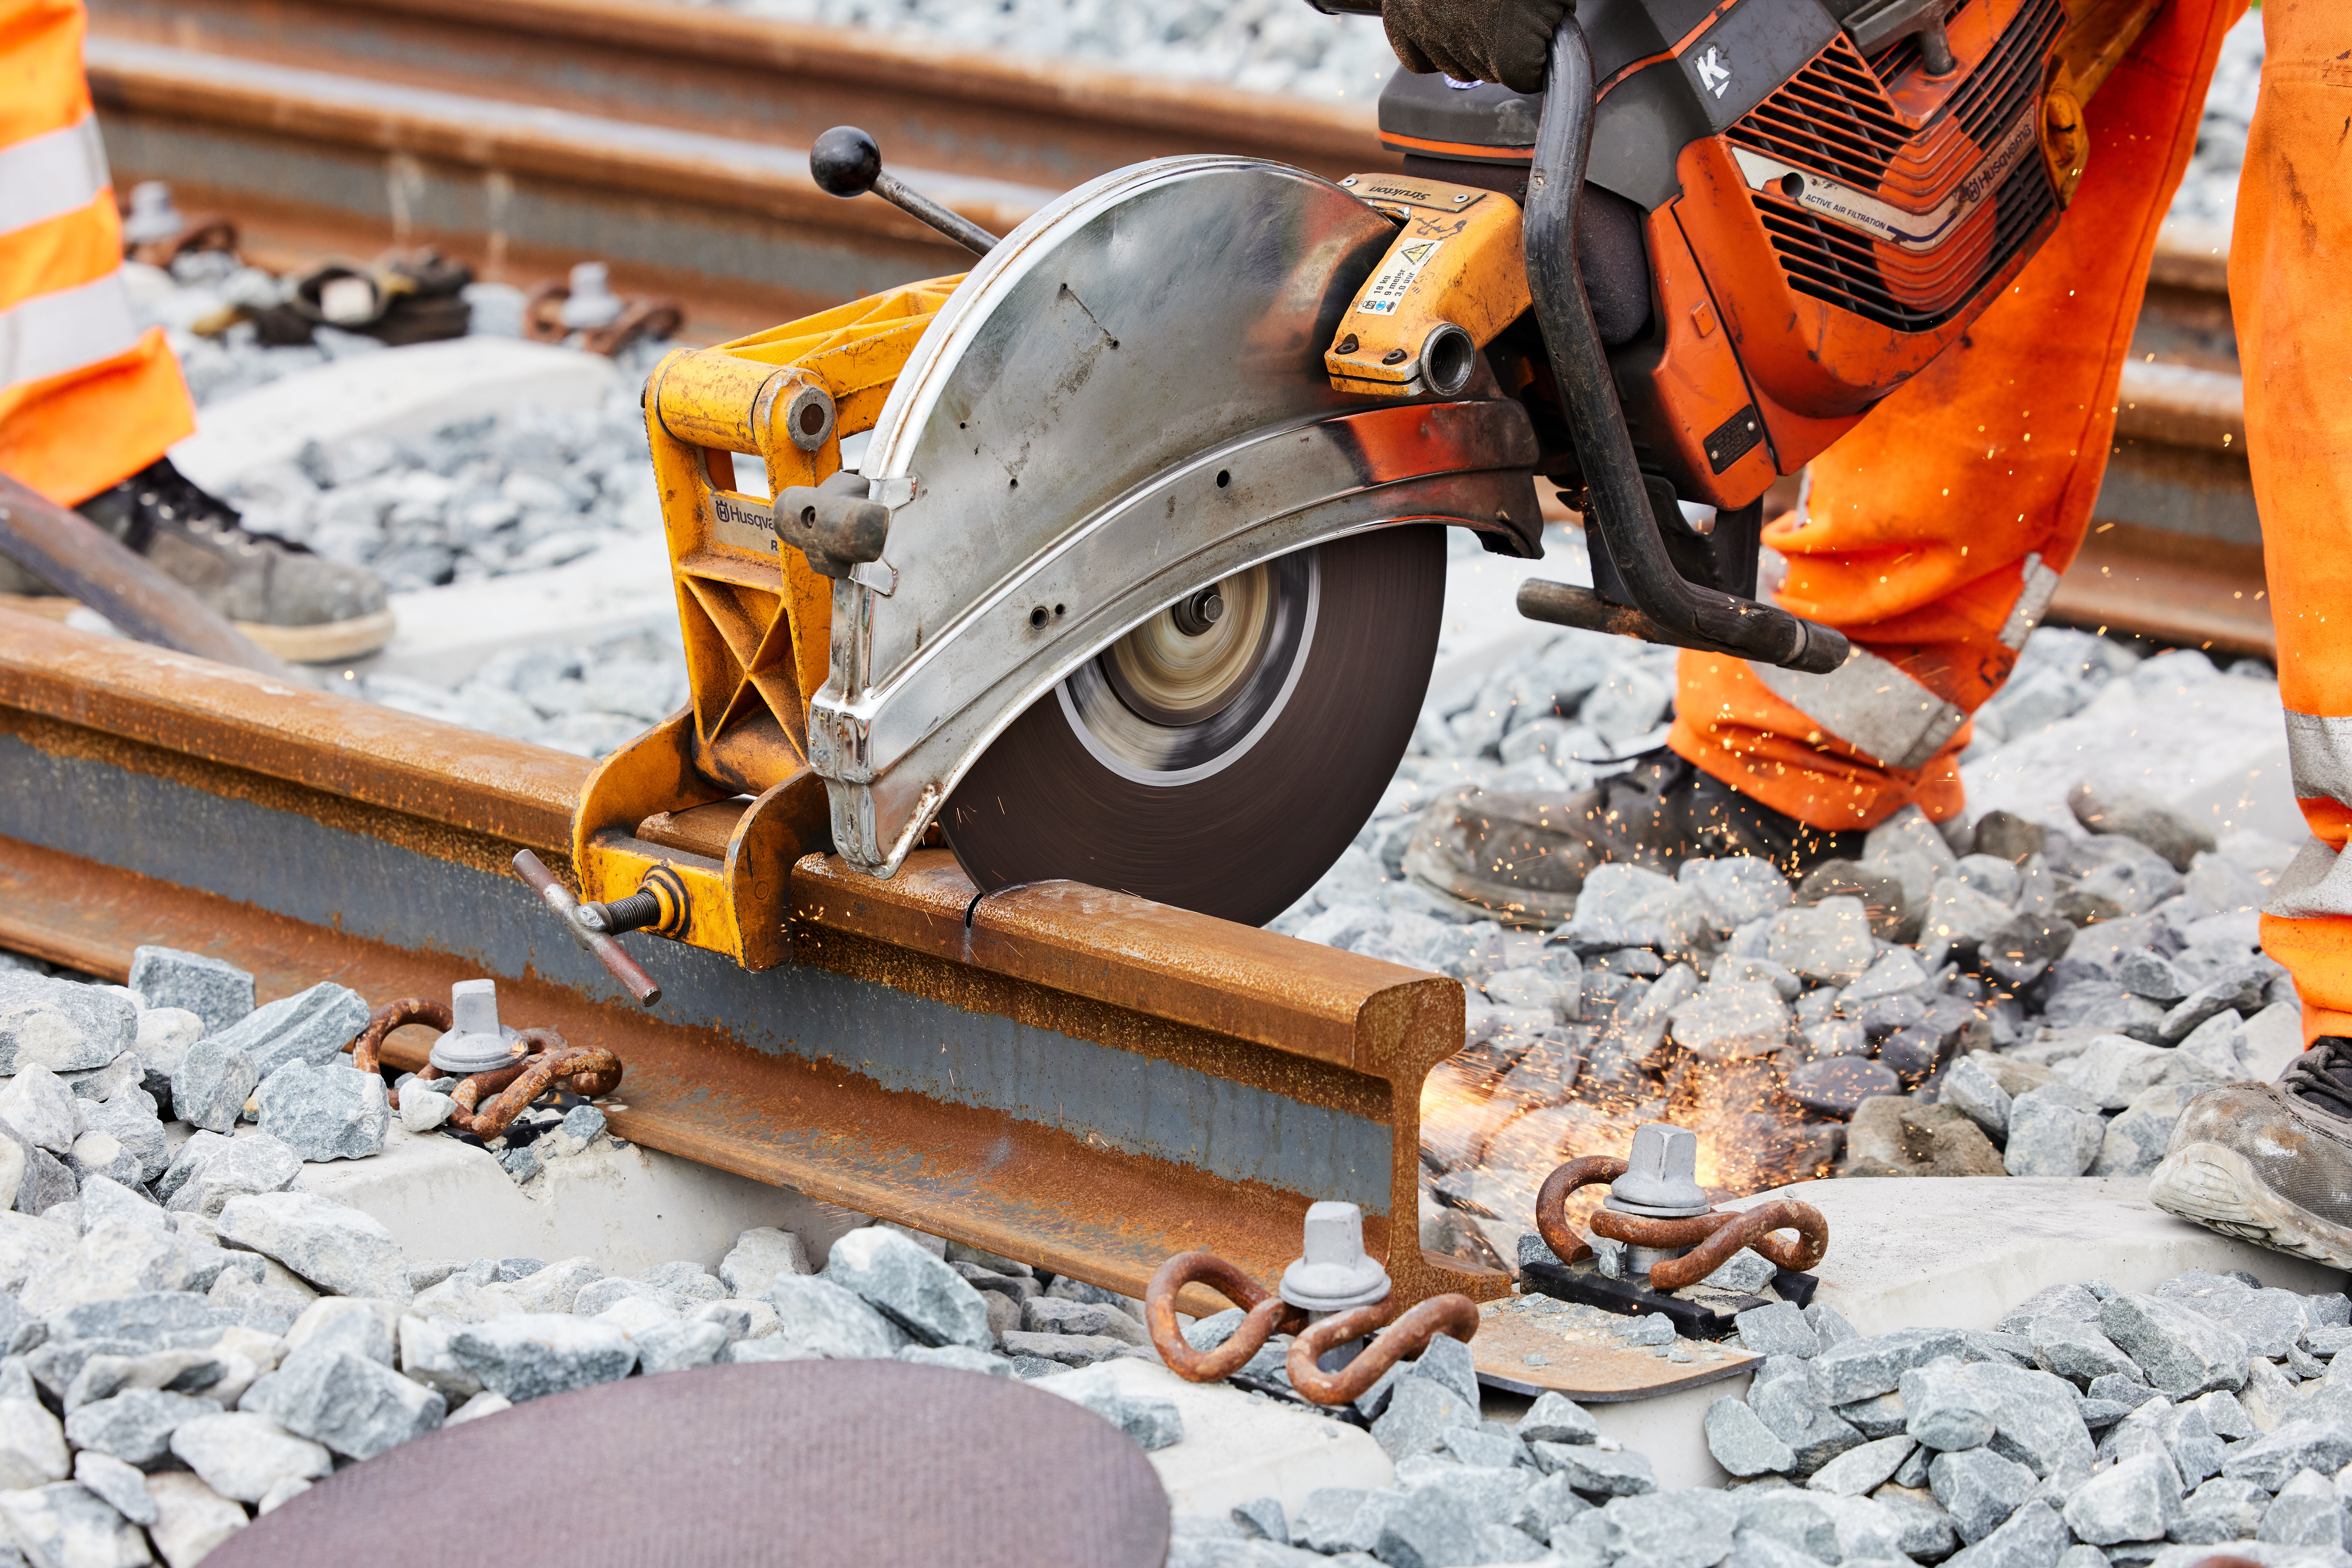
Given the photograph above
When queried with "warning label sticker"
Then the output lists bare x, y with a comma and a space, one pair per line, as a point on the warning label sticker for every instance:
1396, 275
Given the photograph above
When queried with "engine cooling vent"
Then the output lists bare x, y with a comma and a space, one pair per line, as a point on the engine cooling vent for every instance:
1837, 119
1827, 262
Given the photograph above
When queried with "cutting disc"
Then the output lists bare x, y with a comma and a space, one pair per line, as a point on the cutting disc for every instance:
1220, 756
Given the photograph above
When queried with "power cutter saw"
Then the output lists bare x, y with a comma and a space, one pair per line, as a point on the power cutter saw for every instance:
1138, 579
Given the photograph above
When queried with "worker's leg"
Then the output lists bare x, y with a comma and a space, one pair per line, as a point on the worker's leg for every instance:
1934, 532
2272, 1162
2290, 292
86, 398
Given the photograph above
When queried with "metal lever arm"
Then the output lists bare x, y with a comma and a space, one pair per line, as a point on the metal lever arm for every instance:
845, 163
1686, 613
608, 952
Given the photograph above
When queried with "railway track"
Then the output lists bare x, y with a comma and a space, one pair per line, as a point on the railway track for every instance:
671, 143
1057, 1073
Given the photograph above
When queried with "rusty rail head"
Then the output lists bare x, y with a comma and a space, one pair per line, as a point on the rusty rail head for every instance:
1267, 1315
1408, 1336
1551, 1202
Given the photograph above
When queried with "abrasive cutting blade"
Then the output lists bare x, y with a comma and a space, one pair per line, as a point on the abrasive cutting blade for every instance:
1223, 754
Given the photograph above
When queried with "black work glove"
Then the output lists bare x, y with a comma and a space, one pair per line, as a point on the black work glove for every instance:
1508, 41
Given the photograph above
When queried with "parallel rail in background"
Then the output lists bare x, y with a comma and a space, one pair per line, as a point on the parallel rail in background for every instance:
671, 143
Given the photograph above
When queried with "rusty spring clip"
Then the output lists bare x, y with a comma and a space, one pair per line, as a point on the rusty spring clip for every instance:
544, 1060
1334, 1255
1663, 1176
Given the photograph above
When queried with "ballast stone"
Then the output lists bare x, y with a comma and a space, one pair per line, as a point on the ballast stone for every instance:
211, 1169
334, 1247
61, 1025
191, 1518
356, 1406
328, 1112
530, 1356
2138, 1498
2182, 1351
136, 1425
213, 1081
215, 990
914, 1290
122, 1486
66, 1525
242, 1454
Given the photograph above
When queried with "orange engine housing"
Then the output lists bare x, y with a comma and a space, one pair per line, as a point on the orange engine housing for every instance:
1821, 234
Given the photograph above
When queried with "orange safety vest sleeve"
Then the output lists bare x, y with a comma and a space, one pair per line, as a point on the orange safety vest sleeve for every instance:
86, 398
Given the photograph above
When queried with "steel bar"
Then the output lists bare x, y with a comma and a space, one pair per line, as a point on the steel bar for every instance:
83, 561
1054, 1072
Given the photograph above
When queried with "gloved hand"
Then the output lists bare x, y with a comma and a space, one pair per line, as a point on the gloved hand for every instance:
1506, 41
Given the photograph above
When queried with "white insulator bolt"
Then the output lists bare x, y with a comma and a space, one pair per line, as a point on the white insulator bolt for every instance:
1661, 1181
151, 216
592, 302
1336, 1274
476, 1041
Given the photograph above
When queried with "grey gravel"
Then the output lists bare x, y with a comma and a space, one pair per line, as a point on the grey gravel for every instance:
2183, 1352
333, 1246
213, 1081
1741, 1443
535, 1354
2138, 1500
917, 1291
136, 1426
216, 990
312, 1025
329, 1111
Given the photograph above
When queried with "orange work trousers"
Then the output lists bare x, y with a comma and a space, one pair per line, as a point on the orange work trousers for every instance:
1934, 532
86, 398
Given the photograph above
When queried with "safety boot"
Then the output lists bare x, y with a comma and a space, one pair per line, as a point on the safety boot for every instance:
298, 606
1524, 856
2270, 1161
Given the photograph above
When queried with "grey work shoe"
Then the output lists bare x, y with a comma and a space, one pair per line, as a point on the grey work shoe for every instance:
297, 605
1524, 856
2270, 1161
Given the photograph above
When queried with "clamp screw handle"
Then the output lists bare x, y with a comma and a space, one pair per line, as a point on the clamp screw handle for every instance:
607, 952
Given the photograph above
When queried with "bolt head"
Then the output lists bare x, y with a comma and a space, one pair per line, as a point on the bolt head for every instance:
1336, 1274
1660, 1173
474, 1007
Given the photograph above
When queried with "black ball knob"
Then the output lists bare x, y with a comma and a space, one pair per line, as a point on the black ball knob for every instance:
846, 161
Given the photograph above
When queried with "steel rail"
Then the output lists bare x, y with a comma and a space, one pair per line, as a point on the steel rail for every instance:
1055, 1072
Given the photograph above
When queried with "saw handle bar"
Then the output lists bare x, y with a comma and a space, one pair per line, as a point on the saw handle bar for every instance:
1674, 609
846, 162
1712, 1237
1267, 1314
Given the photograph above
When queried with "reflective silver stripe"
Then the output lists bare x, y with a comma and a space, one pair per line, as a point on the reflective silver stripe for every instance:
2032, 602
2319, 753
1870, 705
49, 175
49, 334
2315, 884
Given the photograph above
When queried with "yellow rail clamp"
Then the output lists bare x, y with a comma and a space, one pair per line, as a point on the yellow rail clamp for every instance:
721, 791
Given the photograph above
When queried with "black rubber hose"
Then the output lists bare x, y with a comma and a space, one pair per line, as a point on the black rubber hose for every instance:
1618, 507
